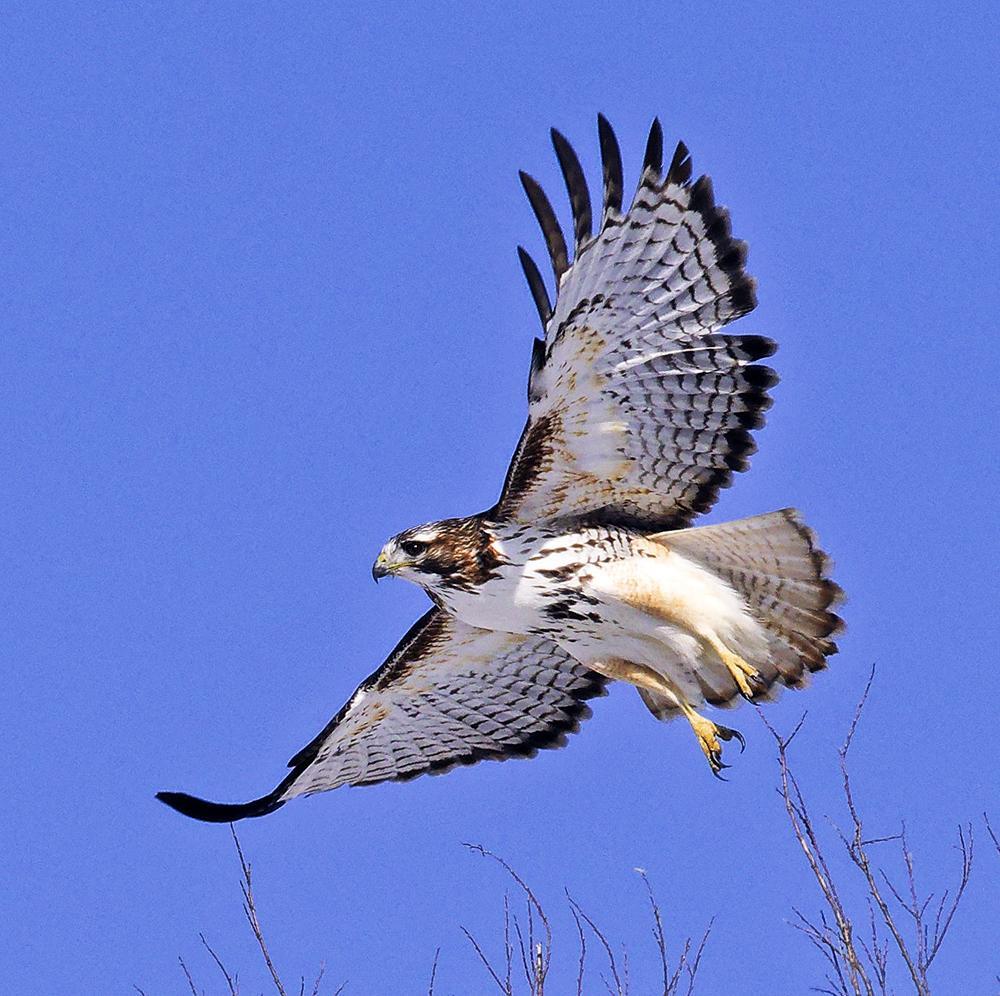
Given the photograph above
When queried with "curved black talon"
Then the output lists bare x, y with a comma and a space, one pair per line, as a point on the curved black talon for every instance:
758, 686
727, 733
716, 763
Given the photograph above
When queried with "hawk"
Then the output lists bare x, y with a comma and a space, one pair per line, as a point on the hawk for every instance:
587, 569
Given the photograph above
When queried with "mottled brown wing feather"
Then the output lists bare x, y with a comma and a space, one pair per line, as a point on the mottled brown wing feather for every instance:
449, 694
639, 409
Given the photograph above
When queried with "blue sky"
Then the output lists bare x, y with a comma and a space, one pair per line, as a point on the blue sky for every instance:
262, 310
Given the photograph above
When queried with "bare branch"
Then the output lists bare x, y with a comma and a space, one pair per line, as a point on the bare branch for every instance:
222, 968
846, 746
661, 942
250, 910
523, 951
989, 830
482, 957
675, 980
187, 975
508, 946
319, 979
583, 949
858, 854
942, 925
802, 828
434, 969
881, 840
604, 943
541, 966
864, 962
696, 964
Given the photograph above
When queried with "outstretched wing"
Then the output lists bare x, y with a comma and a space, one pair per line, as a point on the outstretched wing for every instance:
448, 694
639, 410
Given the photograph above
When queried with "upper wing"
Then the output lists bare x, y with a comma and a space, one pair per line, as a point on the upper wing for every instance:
448, 694
639, 411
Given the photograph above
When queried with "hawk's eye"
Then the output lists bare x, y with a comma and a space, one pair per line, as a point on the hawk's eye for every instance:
413, 548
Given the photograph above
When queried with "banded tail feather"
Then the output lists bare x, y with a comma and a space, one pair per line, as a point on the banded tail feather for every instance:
775, 563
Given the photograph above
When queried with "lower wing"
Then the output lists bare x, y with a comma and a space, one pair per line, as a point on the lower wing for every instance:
449, 694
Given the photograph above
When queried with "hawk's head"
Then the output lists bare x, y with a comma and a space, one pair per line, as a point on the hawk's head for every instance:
452, 553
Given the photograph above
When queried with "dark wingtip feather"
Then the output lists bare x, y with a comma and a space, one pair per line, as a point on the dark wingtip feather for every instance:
576, 187
611, 163
760, 377
536, 285
218, 812
702, 195
733, 258
653, 159
679, 171
743, 297
756, 347
554, 240
741, 447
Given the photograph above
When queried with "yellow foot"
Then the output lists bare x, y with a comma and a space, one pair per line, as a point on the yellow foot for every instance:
709, 734
745, 675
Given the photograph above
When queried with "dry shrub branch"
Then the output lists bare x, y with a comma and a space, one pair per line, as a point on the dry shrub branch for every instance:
535, 950
889, 931
898, 922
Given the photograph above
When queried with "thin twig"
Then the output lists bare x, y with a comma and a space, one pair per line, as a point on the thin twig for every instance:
661, 942
523, 950
187, 975
250, 910
942, 926
604, 943
482, 957
849, 970
319, 979
989, 830
583, 949
856, 851
508, 945
542, 966
696, 964
434, 969
222, 968
802, 827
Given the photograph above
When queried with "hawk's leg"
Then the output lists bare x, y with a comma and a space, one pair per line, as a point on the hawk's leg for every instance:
745, 675
707, 733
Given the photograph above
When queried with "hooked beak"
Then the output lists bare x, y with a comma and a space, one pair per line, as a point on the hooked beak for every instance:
380, 568
383, 566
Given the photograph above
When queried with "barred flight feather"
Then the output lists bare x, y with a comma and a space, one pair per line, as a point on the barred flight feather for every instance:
611, 167
641, 409
448, 695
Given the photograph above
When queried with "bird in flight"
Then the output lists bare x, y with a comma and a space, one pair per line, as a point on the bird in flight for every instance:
587, 569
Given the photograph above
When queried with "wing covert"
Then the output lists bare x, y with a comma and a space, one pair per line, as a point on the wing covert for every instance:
640, 409
449, 694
